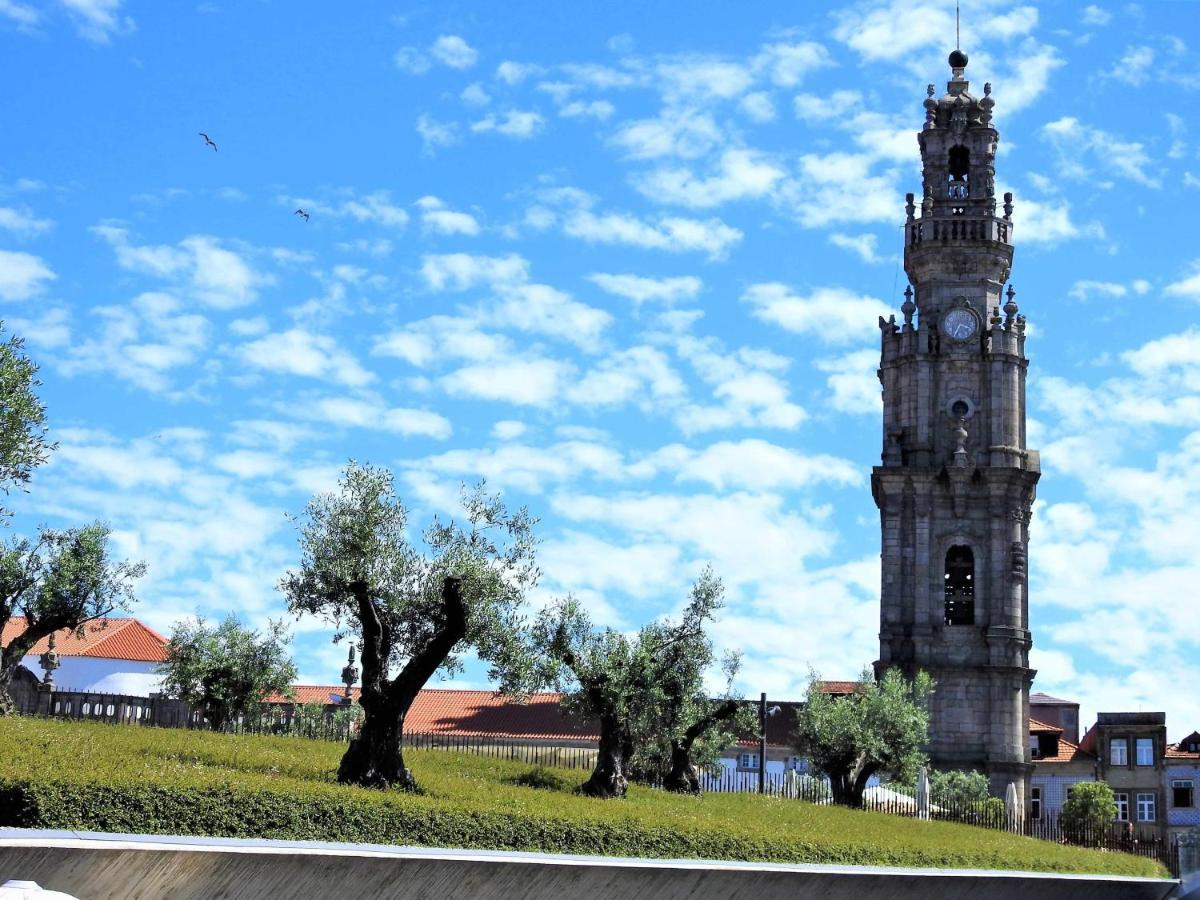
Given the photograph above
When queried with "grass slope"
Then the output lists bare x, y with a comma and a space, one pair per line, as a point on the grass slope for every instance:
145, 780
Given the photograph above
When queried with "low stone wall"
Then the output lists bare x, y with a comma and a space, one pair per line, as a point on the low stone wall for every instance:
100, 866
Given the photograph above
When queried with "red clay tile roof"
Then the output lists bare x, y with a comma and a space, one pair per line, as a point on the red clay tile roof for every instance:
1176, 751
126, 639
1067, 752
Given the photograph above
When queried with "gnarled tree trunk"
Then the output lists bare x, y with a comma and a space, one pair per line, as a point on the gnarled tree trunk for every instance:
609, 778
684, 777
375, 756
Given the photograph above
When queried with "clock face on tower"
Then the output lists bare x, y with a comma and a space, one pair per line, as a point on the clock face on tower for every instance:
960, 324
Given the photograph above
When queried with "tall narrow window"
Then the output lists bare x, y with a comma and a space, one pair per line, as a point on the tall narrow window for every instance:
1118, 752
1122, 802
959, 169
1035, 803
1145, 808
960, 586
1145, 751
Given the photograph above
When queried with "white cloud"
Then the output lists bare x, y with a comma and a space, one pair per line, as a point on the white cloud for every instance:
514, 123
863, 245
436, 134
436, 217
22, 275
23, 16
412, 60
839, 187
376, 207
749, 464
641, 373
22, 222
590, 109
216, 276
642, 290
441, 338
513, 73
1048, 222
451, 50
746, 386
701, 78
758, 106
853, 382
1134, 66
474, 95
374, 415
462, 271
141, 342
533, 382
686, 133
788, 64
834, 315
1188, 287
740, 174
98, 20
1074, 141
508, 429
1094, 15
1083, 289
300, 352
673, 234
525, 467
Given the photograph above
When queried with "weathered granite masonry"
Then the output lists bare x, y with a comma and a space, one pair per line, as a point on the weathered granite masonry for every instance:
957, 482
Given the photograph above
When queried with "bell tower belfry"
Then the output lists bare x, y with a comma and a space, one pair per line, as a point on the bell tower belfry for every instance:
956, 482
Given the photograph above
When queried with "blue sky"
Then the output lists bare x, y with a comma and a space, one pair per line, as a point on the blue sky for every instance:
626, 264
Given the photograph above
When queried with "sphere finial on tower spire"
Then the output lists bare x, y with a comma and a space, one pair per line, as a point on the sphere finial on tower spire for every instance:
958, 59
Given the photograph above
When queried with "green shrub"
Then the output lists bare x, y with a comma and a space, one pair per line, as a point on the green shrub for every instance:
1088, 812
164, 781
542, 778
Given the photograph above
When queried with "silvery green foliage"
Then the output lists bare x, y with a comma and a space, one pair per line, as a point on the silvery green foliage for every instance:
879, 729
23, 444
227, 669
650, 684
360, 534
64, 579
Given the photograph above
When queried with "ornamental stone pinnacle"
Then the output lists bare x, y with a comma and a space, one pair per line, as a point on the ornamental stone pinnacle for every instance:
956, 478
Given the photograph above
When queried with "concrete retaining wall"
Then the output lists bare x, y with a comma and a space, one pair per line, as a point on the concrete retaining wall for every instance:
125, 867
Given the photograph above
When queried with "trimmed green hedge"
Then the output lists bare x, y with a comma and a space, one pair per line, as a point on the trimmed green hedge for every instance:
142, 780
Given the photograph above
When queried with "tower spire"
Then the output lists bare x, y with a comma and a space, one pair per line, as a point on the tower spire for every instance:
957, 37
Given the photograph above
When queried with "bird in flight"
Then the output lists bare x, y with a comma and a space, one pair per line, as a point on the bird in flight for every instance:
208, 142
301, 212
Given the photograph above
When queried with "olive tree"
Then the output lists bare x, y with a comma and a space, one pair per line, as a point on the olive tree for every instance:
646, 690
412, 606
879, 729
64, 579
227, 669
1088, 812
23, 444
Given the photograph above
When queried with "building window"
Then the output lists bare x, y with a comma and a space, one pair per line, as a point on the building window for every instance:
1122, 801
1118, 752
1035, 747
1145, 751
1035, 803
1145, 807
960, 586
748, 761
1183, 793
798, 764
960, 171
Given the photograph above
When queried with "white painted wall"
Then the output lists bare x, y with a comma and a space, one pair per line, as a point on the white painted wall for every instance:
106, 676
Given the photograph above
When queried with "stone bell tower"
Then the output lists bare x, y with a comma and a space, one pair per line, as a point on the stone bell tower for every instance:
956, 483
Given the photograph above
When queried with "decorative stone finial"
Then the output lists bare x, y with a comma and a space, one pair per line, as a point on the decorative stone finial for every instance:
1010, 308
1020, 324
910, 207
987, 89
960, 442
929, 90
349, 676
996, 320
50, 662
908, 308
1008, 206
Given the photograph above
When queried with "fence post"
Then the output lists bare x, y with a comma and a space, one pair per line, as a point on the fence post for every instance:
762, 743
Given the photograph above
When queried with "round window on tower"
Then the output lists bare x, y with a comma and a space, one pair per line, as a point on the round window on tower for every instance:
960, 407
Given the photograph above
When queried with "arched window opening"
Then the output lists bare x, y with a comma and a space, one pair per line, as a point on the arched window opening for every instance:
960, 586
960, 173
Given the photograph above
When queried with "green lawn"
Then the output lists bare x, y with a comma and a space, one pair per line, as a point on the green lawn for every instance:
146, 780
